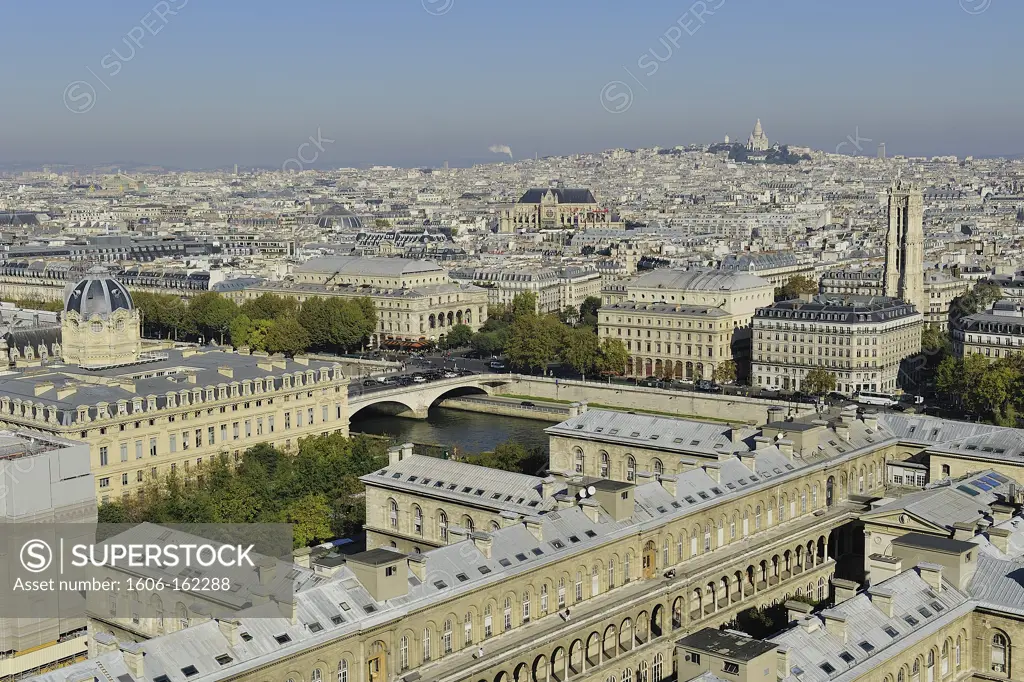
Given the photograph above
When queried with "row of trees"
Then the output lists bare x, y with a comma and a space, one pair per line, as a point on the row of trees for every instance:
271, 323
992, 391
39, 304
315, 489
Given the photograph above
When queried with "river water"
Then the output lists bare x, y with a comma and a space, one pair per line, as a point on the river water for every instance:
468, 432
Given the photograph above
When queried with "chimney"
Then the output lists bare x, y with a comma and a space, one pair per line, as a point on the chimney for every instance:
843, 432
669, 484
226, 371
533, 524
734, 433
301, 557
591, 508
714, 471
574, 410
932, 574
301, 360
266, 567
407, 450
229, 628
963, 530
1001, 512
483, 543
418, 562
882, 599
782, 662
686, 464
394, 454
871, 420
584, 406
785, 446
42, 387
749, 460
1000, 539
762, 442
797, 610
105, 643
835, 625
810, 624
844, 589
548, 486
882, 567
133, 655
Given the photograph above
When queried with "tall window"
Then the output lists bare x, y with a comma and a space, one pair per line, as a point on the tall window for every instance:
467, 629
343, 670
442, 526
659, 664
403, 652
488, 625
664, 553
604, 465
821, 589
611, 573
929, 669
814, 497
426, 644
526, 606
579, 461
627, 675
732, 528
803, 502
956, 653
999, 648
393, 514
659, 468
630, 468
782, 510
915, 671
679, 547
944, 659
641, 672
417, 521
626, 575
467, 523
579, 586
508, 613
595, 582
757, 518
446, 637
561, 593
707, 538
544, 598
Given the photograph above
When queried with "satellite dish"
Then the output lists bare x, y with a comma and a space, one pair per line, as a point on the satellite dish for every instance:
591, 490
582, 493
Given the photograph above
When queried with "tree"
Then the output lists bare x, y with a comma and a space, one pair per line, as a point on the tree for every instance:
614, 357
239, 331
581, 350
287, 336
588, 311
797, 285
210, 314
524, 304
269, 307
310, 517
569, 315
489, 343
978, 299
935, 343
725, 372
533, 341
819, 381
458, 336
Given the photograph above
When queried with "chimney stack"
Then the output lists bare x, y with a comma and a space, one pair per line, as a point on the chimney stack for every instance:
871, 420
418, 562
483, 542
782, 662
785, 446
394, 454
548, 486
133, 656
844, 589
835, 625
668, 482
762, 442
882, 599
797, 610
843, 432
964, 531
1000, 539
734, 433
932, 574
406, 450
229, 628
714, 471
533, 524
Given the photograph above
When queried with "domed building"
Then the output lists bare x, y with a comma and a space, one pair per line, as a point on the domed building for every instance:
100, 326
758, 141
337, 217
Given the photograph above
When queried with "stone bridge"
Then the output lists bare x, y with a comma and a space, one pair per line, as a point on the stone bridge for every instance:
415, 400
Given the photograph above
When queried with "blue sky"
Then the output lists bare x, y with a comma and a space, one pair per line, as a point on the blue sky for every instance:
418, 82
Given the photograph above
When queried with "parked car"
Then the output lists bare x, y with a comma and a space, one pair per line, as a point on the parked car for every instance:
801, 397
404, 381
450, 374
369, 382
389, 381
836, 398
527, 403
768, 393
496, 364
708, 386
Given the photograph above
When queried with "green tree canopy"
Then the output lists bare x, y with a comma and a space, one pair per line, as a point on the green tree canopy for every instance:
458, 336
796, 286
524, 304
588, 311
725, 372
269, 307
614, 356
581, 350
210, 314
286, 336
534, 341
819, 381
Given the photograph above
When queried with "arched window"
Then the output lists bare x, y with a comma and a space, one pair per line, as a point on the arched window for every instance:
604, 464
579, 586
611, 573
732, 528
929, 669
579, 460
821, 589
814, 496
757, 518
707, 537
495, 527
561, 593
467, 629
956, 653
526, 606
658, 467
641, 672
664, 553
803, 502
343, 670
627, 675
544, 598
944, 659
403, 652
999, 651
417, 520
626, 574
442, 526
446, 637
901, 676
915, 671
316, 676
488, 623
508, 613
595, 581
426, 644
630, 468
393, 514
659, 664
679, 547
782, 509
467, 523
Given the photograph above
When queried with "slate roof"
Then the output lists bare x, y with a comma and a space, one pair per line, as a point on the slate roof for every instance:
843, 309
698, 279
564, 196
361, 266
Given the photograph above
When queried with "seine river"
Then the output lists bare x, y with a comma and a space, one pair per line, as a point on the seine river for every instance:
467, 431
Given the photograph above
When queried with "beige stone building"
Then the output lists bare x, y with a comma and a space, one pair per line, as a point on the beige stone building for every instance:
940, 288
144, 414
997, 333
556, 208
614, 578
683, 323
862, 341
555, 288
415, 300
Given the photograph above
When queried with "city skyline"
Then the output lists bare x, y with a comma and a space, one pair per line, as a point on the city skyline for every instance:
189, 85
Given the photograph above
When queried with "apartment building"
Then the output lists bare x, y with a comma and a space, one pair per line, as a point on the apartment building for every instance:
555, 288
996, 333
861, 340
